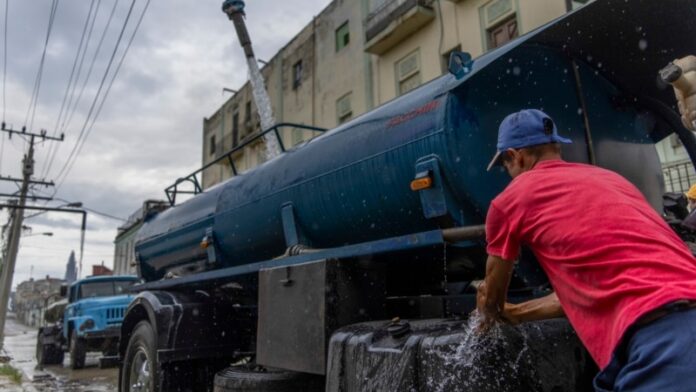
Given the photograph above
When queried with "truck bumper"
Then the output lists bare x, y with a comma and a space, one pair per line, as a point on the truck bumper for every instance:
110, 332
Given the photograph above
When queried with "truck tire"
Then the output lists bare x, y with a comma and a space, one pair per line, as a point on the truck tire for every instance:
139, 370
47, 354
77, 351
245, 379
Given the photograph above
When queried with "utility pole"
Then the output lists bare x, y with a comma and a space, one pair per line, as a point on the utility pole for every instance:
17, 220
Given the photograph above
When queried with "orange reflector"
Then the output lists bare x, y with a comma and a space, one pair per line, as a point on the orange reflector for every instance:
421, 183
205, 244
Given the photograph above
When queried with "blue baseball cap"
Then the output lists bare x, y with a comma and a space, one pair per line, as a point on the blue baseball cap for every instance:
526, 128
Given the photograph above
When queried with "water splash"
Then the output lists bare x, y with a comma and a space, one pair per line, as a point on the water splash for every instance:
480, 361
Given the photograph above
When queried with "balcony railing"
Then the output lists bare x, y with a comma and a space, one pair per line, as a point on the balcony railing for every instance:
379, 19
679, 177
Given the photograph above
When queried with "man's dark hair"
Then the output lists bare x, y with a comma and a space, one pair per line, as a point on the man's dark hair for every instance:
541, 149
538, 151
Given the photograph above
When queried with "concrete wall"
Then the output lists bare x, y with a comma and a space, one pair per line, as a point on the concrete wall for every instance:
456, 25
124, 251
368, 79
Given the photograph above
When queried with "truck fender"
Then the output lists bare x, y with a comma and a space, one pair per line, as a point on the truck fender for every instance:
191, 325
158, 308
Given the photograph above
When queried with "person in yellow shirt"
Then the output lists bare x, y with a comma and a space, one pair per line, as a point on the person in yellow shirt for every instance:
691, 198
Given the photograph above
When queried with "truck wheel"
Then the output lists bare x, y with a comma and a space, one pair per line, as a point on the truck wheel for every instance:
41, 350
138, 372
58, 356
265, 380
77, 351
47, 354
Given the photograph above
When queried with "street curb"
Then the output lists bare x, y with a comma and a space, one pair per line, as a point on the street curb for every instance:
27, 383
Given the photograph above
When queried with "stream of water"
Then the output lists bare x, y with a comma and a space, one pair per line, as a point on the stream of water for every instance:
263, 104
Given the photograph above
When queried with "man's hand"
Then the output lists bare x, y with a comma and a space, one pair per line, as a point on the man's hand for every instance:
491, 294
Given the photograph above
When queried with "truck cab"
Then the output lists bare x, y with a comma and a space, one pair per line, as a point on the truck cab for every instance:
92, 318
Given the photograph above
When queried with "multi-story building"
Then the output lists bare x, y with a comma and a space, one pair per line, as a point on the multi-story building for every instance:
124, 252
33, 296
356, 55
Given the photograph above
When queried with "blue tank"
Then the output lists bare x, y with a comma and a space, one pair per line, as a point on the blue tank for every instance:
352, 184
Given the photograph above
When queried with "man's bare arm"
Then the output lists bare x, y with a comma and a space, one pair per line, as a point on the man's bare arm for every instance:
537, 309
493, 291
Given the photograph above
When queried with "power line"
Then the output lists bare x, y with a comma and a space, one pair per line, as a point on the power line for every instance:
106, 94
70, 80
4, 70
68, 163
96, 212
68, 119
37, 83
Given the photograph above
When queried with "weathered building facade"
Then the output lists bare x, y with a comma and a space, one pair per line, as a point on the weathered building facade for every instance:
356, 55
33, 296
124, 249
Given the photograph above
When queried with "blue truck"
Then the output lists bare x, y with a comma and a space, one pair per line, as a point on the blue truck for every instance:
88, 319
349, 263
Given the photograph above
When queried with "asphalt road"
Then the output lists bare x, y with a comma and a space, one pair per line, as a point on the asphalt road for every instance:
20, 344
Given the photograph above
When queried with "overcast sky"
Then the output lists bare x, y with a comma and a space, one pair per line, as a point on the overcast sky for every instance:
149, 131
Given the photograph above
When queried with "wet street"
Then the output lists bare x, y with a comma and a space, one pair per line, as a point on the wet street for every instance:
20, 344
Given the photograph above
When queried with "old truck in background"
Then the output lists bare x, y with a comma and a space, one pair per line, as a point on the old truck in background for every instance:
88, 319
349, 263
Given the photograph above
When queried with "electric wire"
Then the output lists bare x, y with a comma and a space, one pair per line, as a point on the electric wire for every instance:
67, 120
84, 133
4, 68
111, 83
96, 212
97, 95
70, 82
37, 83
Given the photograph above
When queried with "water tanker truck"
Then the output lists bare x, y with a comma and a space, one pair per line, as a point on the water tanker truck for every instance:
349, 263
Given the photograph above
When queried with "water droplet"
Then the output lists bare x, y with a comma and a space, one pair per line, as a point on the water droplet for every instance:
643, 44
516, 71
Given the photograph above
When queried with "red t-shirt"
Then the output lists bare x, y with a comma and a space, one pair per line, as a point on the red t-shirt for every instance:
609, 256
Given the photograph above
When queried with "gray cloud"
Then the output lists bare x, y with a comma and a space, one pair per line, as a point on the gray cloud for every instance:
149, 132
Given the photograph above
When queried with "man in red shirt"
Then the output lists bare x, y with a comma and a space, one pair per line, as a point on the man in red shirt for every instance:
624, 279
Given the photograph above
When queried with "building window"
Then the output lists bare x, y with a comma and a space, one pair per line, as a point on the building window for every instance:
575, 4
212, 145
235, 128
502, 33
342, 37
247, 116
344, 111
408, 75
297, 75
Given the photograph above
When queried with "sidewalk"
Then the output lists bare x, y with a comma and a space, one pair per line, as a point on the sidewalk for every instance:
20, 345
18, 353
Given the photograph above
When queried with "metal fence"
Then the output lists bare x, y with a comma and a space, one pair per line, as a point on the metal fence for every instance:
679, 177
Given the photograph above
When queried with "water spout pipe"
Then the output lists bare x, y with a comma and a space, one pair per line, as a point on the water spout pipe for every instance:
466, 233
235, 12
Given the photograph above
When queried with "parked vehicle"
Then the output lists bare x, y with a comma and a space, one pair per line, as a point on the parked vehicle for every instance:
350, 262
88, 319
